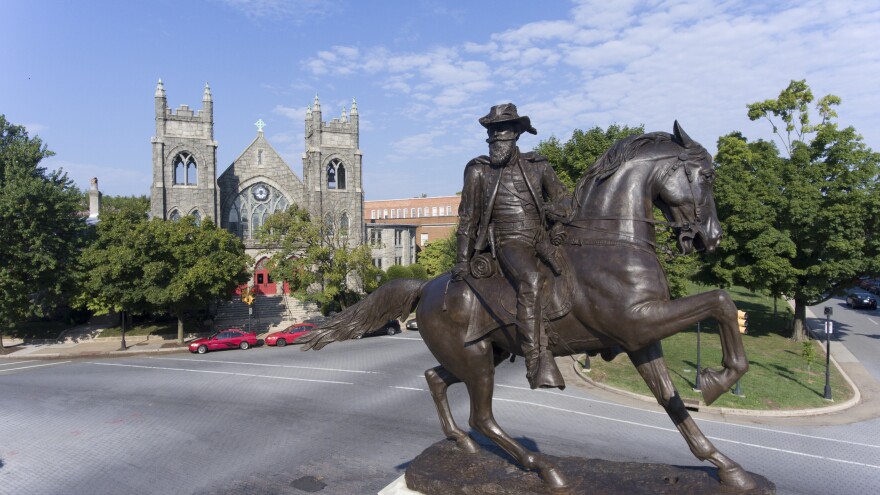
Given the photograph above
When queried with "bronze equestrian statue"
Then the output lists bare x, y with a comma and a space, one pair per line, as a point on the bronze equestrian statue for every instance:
503, 210
616, 291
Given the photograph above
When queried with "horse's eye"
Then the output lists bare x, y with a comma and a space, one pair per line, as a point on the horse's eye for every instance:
709, 176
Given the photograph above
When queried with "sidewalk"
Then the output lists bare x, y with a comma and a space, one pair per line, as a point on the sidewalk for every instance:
91, 348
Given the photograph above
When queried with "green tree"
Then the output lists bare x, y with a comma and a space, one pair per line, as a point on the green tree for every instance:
398, 271
571, 159
317, 260
137, 266
802, 226
201, 263
437, 257
41, 232
135, 204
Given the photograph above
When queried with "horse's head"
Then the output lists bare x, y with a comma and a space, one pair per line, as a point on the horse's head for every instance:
685, 195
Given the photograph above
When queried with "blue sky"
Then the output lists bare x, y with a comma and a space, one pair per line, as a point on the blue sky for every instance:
82, 75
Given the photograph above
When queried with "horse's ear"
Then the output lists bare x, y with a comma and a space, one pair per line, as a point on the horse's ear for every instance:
681, 136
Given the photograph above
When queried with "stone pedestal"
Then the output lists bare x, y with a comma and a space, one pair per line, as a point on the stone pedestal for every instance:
442, 469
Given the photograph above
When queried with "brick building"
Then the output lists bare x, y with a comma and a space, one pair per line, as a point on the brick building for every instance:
398, 228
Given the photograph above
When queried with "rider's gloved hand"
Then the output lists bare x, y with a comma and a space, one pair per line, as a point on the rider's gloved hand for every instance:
459, 270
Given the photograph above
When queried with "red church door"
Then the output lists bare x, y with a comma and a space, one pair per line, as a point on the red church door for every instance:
263, 283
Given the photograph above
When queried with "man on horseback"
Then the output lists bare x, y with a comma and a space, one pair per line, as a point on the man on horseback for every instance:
506, 202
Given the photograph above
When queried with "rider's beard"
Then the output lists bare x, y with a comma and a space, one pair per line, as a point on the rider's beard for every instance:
500, 152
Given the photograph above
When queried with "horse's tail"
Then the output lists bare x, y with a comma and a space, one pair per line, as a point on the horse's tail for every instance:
391, 301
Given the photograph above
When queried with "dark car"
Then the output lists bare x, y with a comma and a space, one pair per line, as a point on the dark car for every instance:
390, 328
861, 301
412, 324
289, 334
232, 338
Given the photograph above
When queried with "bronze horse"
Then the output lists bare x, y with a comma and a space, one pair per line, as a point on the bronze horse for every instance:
620, 298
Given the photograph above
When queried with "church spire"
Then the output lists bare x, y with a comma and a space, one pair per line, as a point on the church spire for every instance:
207, 95
160, 89
354, 107
317, 103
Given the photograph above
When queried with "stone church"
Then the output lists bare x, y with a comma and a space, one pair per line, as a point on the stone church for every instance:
258, 182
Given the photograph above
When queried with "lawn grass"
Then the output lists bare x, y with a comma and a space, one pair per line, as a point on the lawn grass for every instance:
778, 377
39, 329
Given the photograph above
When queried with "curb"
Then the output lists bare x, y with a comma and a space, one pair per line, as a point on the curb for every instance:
117, 353
727, 411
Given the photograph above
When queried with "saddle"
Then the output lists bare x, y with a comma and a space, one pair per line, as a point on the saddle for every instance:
497, 295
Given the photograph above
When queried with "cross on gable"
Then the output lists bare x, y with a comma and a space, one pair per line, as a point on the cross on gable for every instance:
260, 124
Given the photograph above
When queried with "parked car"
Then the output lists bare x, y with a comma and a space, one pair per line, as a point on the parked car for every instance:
861, 301
232, 338
412, 324
390, 328
289, 334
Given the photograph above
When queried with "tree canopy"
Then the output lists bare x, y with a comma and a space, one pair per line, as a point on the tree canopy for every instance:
316, 259
438, 256
802, 226
42, 230
136, 265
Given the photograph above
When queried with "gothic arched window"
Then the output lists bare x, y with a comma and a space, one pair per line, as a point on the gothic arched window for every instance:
343, 225
328, 224
185, 169
174, 216
197, 216
335, 174
252, 208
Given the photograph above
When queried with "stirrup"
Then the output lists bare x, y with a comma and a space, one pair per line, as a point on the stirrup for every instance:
544, 373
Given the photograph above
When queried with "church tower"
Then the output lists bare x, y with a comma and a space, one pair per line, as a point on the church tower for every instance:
332, 173
184, 160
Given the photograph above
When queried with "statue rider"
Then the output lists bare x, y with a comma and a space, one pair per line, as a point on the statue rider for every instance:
506, 203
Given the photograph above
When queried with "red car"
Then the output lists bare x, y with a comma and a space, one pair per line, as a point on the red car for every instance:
232, 338
289, 334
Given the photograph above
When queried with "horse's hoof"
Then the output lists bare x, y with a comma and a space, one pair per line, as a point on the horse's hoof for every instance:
736, 477
467, 444
555, 480
710, 386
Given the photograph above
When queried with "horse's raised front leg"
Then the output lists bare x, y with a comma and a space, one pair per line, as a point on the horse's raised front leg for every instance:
653, 321
480, 381
651, 365
439, 380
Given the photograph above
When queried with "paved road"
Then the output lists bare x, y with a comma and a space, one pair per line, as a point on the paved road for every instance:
353, 415
857, 329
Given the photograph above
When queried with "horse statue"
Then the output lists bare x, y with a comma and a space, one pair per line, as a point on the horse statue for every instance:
619, 298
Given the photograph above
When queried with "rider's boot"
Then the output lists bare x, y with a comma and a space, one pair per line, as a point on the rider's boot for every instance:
541, 369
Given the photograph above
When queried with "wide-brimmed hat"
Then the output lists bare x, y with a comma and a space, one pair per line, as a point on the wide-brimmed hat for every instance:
506, 114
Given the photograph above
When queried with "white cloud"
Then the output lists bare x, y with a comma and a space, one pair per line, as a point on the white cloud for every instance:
290, 112
293, 10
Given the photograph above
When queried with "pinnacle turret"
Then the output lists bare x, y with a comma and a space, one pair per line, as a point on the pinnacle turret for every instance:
344, 117
207, 95
317, 104
160, 90
354, 107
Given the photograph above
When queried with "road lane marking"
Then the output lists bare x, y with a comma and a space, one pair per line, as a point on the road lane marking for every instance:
267, 365
411, 388
33, 366
250, 375
403, 338
672, 430
701, 420
13, 363
874, 322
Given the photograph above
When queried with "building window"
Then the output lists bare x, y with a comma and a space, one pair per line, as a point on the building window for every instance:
252, 207
392, 212
197, 216
398, 260
448, 211
419, 213
398, 213
185, 170
328, 224
434, 211
343, 225
372, 214
424, 240
412, 212
398, 237
174, 216
404, 213
377, 262
335, 174
375, 237
384, 213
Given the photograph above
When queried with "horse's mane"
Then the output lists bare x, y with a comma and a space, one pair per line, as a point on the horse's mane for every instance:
625, 150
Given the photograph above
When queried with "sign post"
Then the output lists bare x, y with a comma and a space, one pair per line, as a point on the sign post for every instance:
828, 329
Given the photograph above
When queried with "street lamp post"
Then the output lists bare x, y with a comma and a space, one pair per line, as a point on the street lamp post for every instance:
123, 346
828, 312
697, 381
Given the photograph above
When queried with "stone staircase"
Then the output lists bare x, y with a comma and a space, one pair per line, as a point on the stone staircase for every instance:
269, 313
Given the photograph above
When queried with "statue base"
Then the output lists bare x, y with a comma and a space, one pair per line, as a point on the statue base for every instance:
443, 469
